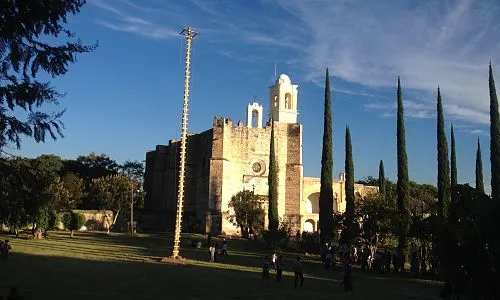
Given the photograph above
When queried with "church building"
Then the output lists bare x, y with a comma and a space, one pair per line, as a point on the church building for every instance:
229, 158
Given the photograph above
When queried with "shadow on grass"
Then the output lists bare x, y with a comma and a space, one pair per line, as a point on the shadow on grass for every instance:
98, 266
53, 277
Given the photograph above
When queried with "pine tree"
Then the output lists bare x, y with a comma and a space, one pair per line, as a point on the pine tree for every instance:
35, 45
272, 178
495, 139
326, 191
349, 189
403, 180
381, 181
479, 169
443, 168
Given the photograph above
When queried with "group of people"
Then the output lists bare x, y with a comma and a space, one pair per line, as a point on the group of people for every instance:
5, 247
277, 264
213, 249
370, 258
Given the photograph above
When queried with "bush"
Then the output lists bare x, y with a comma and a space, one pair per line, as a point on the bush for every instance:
73, 221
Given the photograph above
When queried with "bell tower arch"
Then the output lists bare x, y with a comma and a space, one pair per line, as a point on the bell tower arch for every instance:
254, 109
283, 100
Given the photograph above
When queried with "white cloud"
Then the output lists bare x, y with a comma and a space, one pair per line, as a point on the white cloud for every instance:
412, 109
426, 42
128, 22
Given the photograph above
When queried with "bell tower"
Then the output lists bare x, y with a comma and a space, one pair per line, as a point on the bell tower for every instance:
283, 100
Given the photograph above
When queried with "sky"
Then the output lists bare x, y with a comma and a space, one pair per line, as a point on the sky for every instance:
125, 97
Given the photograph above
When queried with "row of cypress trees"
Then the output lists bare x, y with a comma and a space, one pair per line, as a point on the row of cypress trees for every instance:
446, 181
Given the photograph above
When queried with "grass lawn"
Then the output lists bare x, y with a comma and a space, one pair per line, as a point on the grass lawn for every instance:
116, 266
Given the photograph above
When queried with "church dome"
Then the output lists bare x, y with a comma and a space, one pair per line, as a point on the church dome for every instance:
283, 79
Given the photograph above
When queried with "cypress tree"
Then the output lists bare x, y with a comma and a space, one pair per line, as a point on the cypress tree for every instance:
403, 180
443, 168
495, 139
326, 191
272, 212
381, 181
479, 169
453, 160
453, 168
349, 188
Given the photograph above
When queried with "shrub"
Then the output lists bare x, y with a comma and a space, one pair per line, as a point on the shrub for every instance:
73, 221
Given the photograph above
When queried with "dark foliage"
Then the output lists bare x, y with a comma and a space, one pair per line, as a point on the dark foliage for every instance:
25, 51
326, 191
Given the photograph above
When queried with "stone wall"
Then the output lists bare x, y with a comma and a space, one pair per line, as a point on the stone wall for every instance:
96, 220
240, 160
162, 174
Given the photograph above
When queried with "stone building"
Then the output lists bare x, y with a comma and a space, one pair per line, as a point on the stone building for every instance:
229, 158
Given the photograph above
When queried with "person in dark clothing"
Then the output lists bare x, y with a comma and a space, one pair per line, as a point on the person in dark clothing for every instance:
266, 265
14, 295
279, 267
4, 250
387, 261
298, 270
347, 276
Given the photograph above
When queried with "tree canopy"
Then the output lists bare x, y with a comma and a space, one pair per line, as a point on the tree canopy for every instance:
34, 39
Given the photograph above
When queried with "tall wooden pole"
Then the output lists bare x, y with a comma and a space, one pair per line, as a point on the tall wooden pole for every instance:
190, 34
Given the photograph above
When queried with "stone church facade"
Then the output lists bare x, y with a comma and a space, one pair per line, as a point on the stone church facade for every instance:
229, 158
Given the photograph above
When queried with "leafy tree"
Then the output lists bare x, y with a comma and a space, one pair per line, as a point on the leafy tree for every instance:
422, 200
75, 188
44, 171
113, 193
495, 139
16, 182
368, 180
59, 196
73, 221
33, 39
272, 179
472, 241
133, 169
381, 181
95, 166
374, 218
479, 169
403, 180
349, 230
443, 178
246, 212
326, 190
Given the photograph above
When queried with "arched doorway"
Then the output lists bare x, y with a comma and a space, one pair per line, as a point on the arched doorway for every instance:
312, 204
309, 225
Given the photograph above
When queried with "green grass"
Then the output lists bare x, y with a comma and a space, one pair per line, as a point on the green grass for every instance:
116, 266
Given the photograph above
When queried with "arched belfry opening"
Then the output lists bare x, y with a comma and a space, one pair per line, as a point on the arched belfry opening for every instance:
254, 115
283, 100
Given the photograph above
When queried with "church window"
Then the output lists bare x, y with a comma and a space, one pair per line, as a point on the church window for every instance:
255, 118
275, 101
256, 167
288, 101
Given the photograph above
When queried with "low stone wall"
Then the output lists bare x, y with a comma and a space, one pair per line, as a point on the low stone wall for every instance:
96, 219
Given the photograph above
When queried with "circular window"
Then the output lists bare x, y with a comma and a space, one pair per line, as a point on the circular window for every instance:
256, 167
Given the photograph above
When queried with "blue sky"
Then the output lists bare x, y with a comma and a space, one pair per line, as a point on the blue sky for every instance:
126, 97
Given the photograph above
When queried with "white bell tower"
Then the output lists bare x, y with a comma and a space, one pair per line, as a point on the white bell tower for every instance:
283, 100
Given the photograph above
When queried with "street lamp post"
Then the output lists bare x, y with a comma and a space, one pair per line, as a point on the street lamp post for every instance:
132, 209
